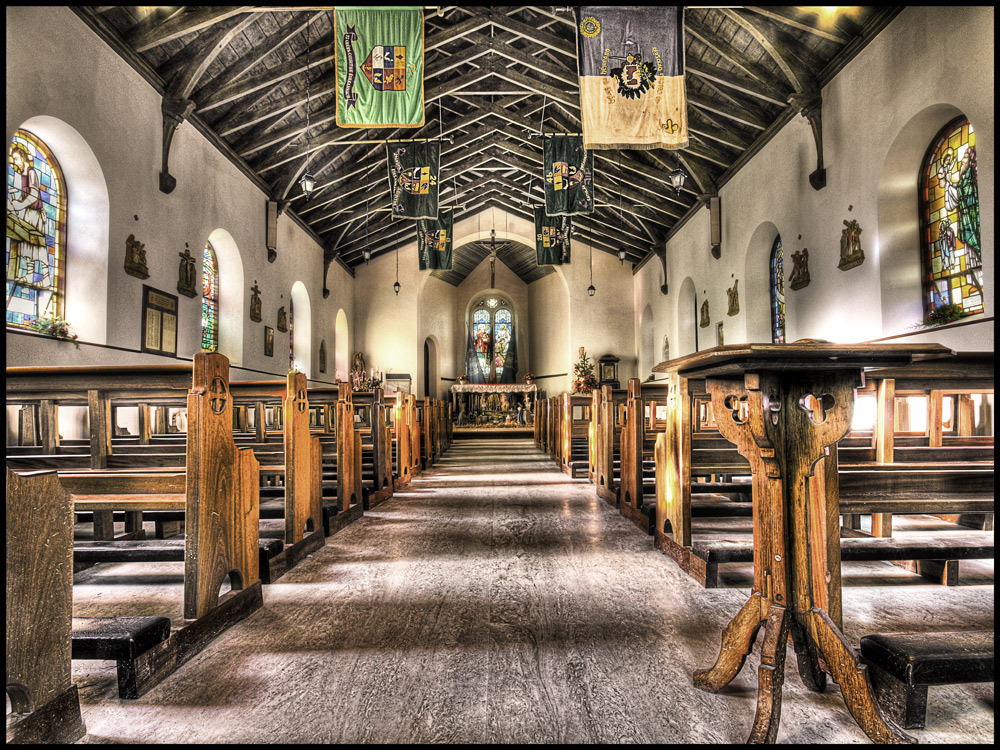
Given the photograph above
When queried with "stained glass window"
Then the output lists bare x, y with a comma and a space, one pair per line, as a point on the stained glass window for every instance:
209, 301
777, 293
481, 336
291, 335
949, 187
503, 323
493, 333
36, 232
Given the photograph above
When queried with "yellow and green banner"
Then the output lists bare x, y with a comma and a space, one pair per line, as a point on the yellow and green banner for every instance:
631, 65
380, 66
569, 176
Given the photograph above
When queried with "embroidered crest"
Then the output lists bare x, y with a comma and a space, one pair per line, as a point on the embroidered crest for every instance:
590, 27
385, 67
564, 176
634, 76
417, 181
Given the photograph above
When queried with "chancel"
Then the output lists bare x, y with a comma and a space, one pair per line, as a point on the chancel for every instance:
505, 374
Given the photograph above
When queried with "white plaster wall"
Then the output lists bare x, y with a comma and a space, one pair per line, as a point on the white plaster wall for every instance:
891, 90
118, 115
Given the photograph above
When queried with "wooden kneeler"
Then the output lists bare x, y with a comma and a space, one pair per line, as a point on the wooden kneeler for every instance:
44, 701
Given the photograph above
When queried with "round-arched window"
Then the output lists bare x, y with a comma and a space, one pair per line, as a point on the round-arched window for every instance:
492, 326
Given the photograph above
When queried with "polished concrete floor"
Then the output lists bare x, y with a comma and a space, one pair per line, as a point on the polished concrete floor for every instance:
497, 600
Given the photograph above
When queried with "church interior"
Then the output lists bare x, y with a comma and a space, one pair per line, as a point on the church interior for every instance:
715, 465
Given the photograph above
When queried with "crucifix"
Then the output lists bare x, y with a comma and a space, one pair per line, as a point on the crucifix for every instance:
493, 258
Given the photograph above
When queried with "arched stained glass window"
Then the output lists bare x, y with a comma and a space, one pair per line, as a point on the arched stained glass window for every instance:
493, 339
209, 301
949, 196
36, 232
777, 293
291, 335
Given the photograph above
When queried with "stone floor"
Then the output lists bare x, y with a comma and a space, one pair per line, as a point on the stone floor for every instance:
496, 600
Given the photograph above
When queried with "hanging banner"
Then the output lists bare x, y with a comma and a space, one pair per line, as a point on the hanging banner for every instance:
434, 241
380, 67
569, 176
631, 63
413, 179
552, 238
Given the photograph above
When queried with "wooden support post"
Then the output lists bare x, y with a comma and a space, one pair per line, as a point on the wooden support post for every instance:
145, 427
885, 436
99, 411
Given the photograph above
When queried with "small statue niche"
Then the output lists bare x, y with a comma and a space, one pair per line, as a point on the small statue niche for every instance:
135, 258
706, 320
185, 276
800, 269
734, 299
851, 254
255, 304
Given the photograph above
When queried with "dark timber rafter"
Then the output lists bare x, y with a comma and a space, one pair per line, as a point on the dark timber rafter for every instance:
490, 73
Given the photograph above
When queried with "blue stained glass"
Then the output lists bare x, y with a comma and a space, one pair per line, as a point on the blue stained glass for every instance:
777, 293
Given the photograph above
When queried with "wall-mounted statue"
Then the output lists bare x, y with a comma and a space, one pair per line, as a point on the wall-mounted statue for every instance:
282, 320
358, 363
705, 319
135, 258
851, 254
255, 303
800, 269
185, 274
734, 299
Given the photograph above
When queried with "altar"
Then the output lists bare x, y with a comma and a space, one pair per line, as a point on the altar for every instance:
493, 404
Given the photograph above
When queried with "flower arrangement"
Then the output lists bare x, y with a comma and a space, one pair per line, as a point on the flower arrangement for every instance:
462, 379
529, 377
585, 380
939, 316
57, 328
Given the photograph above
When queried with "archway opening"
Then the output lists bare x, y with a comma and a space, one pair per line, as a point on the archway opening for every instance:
687, 319
430, 367
230, 293
342, 349
302, 342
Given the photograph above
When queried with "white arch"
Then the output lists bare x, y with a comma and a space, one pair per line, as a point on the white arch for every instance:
899, 246
756, 300
647, 346
88, 224
302, 342
231, 301
430, 366
686, 318
342, 348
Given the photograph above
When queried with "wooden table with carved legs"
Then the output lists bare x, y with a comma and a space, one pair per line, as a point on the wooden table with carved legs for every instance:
785, 407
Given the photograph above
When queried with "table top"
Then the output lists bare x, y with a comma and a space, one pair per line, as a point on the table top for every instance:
735, 359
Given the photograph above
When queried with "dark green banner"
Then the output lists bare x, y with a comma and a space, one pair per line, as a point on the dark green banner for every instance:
569, 176
434, 238
552, 240
413, 179
380, 67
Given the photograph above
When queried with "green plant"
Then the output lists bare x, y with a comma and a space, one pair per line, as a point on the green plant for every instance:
585, 381
939, 316
57, 328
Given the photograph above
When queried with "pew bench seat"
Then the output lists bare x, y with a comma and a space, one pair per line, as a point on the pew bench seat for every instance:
903, 665
936, 557
159, 550
123, 639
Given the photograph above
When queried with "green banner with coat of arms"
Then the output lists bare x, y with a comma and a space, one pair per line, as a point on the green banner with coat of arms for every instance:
569, 176
552, 238
380, 66
434, 238
413, 178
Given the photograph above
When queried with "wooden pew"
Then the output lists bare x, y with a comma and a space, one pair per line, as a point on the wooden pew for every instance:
44, 702
607, 448
376, 444
637, 444
574, 427
416, 429
403, 440
220, 494
349, 489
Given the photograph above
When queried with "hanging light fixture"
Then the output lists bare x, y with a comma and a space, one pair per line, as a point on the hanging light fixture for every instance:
621, 220
307, 181
591, 290
367, 253
396, 287
677, 178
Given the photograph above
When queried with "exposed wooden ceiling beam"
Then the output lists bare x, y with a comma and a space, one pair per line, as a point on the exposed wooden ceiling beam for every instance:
191, 20
792, 17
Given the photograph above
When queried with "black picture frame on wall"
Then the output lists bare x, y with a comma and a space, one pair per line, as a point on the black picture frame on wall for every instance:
159, 322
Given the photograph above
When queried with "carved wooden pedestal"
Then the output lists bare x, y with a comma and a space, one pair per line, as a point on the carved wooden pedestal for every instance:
785, 408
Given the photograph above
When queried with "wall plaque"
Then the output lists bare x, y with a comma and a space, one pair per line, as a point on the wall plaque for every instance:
135, 258
268, 341
255, 303
159, 322
185, 274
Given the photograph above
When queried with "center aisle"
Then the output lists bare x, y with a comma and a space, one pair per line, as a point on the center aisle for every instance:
493, 600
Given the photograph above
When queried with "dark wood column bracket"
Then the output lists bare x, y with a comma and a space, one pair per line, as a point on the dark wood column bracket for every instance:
810, 105
662, 255
175, 110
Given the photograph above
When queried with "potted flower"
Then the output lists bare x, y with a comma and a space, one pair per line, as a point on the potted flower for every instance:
462, 379
57, 328
529, 378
